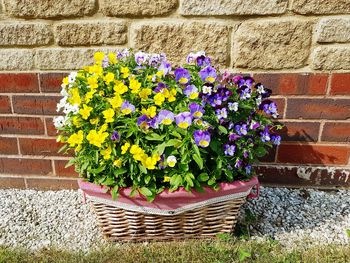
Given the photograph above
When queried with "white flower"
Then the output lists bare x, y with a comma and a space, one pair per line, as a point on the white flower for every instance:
260, 89
72, 76
62, 104
258, 100
233, 106
141, 57
171, 161
71, 108
64, 92
59, 121
207, 90
200, 53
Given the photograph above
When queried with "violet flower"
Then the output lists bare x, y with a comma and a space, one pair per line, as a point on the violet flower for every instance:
165, 117
183, 119
182, 75
191, 91
196, 110
221, 113
241, 129
233, 106
208, 74
276, 139
201, 138
115, 136
229, 149
165, 67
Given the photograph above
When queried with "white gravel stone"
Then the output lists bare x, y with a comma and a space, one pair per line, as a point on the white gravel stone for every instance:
38, 219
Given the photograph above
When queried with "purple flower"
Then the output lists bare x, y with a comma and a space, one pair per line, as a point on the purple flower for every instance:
229, 149
238, 163
182, 75
265, 135
233, 137
248, 169
196, 110
162, 164
208, 74
165, 117
254, 125
115, 136
201, 138
123, 54
245, 154
215, 100
153, 123
183, 119
236, 79
191, 57
246, 81
245, 93
276, 139
241, 129
260, 88
127, 107
233, 106
191, 92
203, 61
221, 113
154, 60
140, 57
165, 67
160, 87
143, 121
270, 108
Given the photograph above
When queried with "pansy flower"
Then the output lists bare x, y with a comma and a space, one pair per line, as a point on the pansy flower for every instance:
248, 169
207, 89
276, 139
115, 136
191, 91
245, 93
241, 129
203, 60
196, 110
191, 57
182, 75
229, 149
238, 163
154, 60
245, 81
127, 108
165, 68
143, 121
270, 108
233, 106
165, 117
221, 113
233, 137
254, 125
208, 74
201, 138
183, 119
265, 135
140, 57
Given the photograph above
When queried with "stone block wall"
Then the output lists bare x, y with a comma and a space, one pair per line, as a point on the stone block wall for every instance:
298, 48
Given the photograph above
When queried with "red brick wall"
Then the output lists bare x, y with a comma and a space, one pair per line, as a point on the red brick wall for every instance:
315, 149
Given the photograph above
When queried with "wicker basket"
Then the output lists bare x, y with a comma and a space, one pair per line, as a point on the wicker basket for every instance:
203, 219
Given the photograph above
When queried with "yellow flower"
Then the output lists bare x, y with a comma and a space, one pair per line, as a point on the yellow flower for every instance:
144, 93
120, 88
134, 85
116, 102
160, 73
150, 112
166, 179
112, 58
85, 111
125, 72
94, 121
103, 128
150, 162
171, 161
159, 99
106, 153
96, 138
99, 56
97, 69
89, 95
118, 163
76, 138
76, 121
108, 115
65, 81
75, 98
109, 77
172, 95
93, 82
125, 147
194, 95
137, 152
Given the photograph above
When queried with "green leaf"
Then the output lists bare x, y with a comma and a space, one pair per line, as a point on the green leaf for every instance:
176, 180
176, 134
143, 169
198, 160
348, 232
155, 137
196, 149
145, 191
108, 181
147, 179
69, 163
120, 171
63, 148
115, 192
173, 142
215, 146
97, 170
161, 148
203, 177
223, 129
189, 179
243, 254
260, 151
212, 181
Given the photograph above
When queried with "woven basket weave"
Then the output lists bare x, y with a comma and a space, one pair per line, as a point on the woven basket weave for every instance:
120, 222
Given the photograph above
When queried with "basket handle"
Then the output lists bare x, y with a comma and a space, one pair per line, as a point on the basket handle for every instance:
254, 194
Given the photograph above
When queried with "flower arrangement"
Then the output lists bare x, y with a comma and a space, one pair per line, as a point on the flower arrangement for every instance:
135, 121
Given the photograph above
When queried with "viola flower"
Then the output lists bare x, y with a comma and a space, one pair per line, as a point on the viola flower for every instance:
183, 119
270, 108
248, 169
201, 138
258, 100
165, 117
162, 164
229, 149
245, 93
196, 110
127, 108
115, 136
260, 88
202, 60
140, 57
191, 92
153, 123
245, 81
245, 154
238, 163
241, 129
223, 92
160, 87
276, 139
215, 100
171, 160
191, 57
165, 68
154, 60
208, 74
265, 135
108, 115
143, 121
182, 75
236, 79
233, 137
221, 113
206, 89
233, 106
254, 125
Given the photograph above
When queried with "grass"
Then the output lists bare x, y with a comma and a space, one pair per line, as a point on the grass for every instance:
221, 250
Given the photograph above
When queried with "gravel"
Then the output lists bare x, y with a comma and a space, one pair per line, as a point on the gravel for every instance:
37, 219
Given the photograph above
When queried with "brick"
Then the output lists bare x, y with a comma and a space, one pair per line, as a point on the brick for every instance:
270, 157
178, 39
333, 30
51, 183
137, 7
272, 44
50, 128
331, 58
336, 132
318, 7
294, 83
51, 82
228, 7
82, 33
49, 8
45, 105
330, 109
19, 82
16, 59
340, 84
300, 131
5, 104
65, 172
12, 182
8, 145
301, 176
25, 34
313, 154
25, 166
21, 125
45, 147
